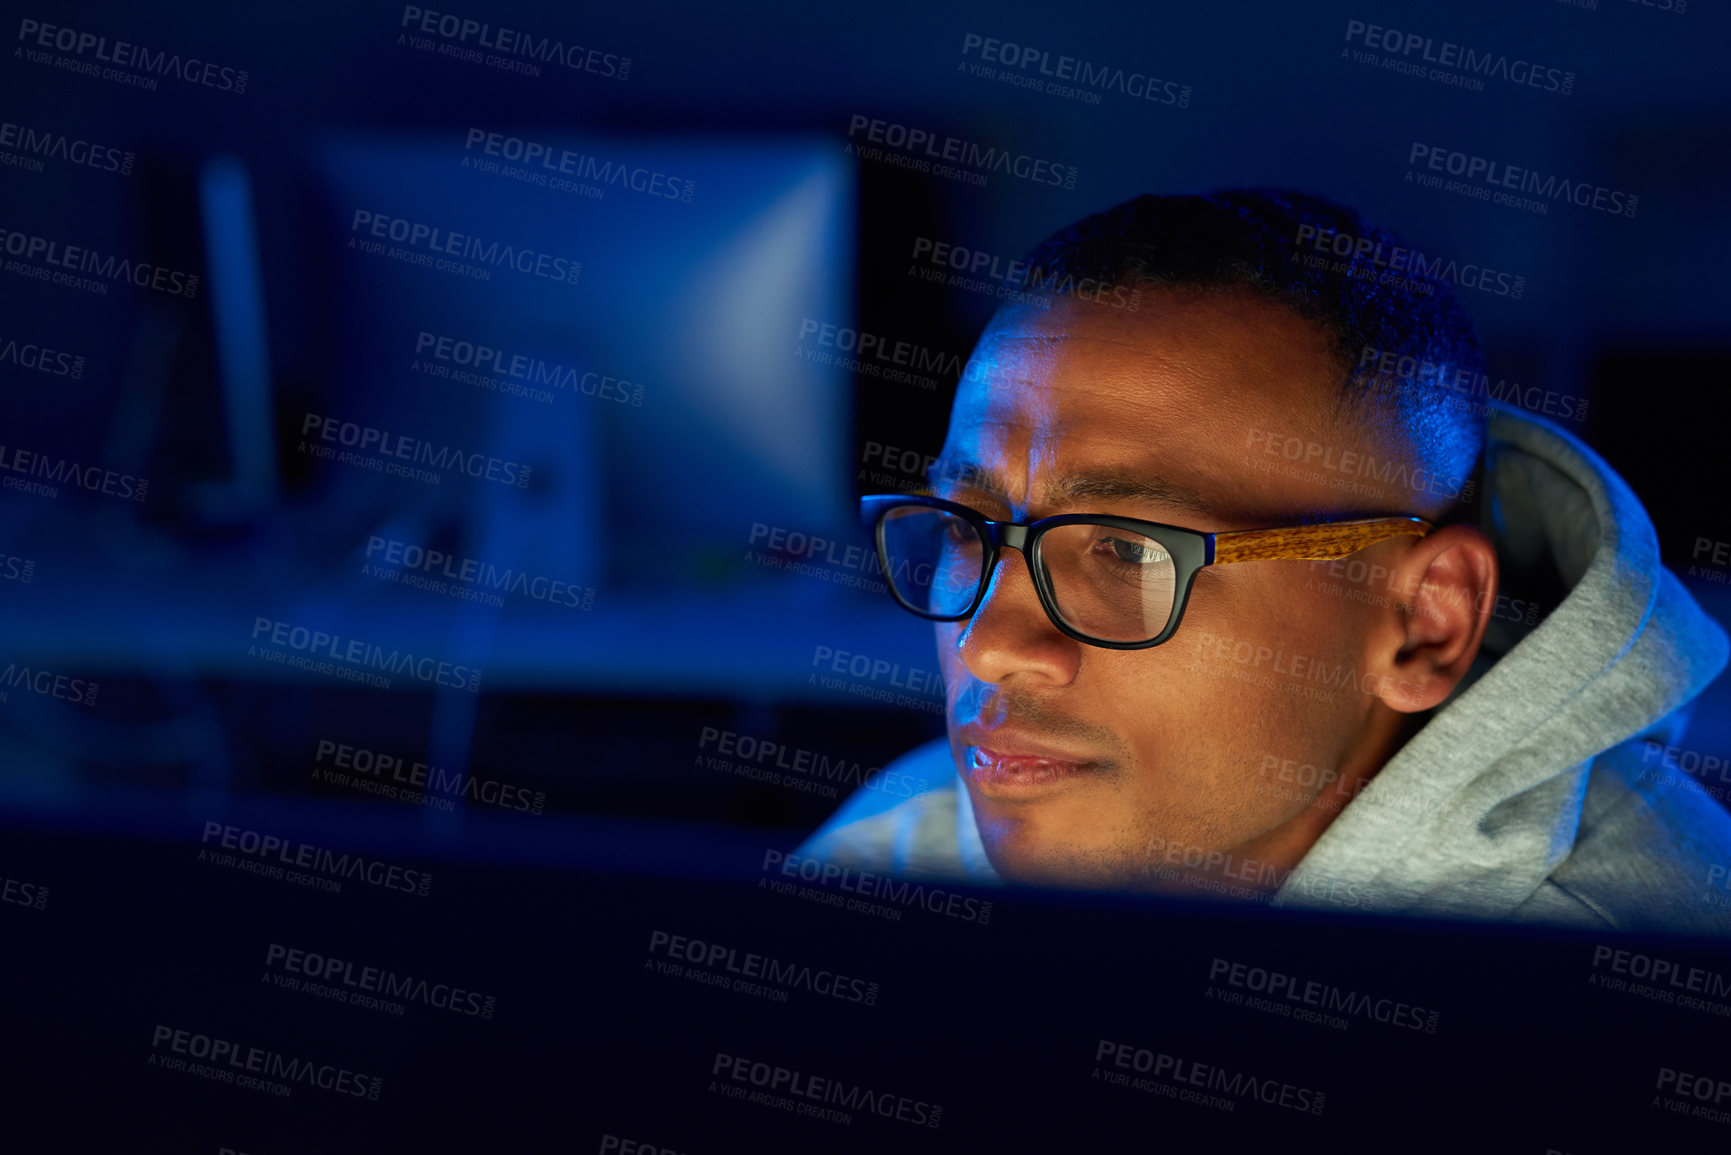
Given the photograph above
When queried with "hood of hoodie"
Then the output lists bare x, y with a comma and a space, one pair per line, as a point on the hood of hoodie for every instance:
1482, 804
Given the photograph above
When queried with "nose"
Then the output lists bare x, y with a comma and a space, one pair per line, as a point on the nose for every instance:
1009, 634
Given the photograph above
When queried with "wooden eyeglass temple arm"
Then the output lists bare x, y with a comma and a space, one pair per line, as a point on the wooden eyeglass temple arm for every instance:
1313, 542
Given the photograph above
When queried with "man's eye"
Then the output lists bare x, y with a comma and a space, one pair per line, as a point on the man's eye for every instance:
1136, 553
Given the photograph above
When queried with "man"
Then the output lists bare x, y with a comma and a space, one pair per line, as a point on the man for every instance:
1430, 692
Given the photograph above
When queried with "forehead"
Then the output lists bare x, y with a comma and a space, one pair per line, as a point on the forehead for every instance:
1172, 393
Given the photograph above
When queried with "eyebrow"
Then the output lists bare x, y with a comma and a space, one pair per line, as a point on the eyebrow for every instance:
1109, 485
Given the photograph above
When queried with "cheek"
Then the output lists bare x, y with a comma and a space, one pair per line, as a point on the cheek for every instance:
944, 634
1280, 605
1223, 612
1263, 654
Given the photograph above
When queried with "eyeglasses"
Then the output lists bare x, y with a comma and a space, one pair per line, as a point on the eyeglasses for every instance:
1116, 582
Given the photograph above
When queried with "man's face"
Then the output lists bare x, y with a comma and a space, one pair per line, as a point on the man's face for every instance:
1088, 765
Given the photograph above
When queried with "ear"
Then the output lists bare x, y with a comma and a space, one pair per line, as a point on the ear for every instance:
1427, 650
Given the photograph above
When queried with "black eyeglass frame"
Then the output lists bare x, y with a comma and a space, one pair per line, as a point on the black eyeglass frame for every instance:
1191, 550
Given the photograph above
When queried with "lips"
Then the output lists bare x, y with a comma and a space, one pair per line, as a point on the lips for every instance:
990, 768
1007, 766
1012, 742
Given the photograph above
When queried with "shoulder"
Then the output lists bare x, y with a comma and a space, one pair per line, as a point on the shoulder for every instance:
902, 823
1653, 852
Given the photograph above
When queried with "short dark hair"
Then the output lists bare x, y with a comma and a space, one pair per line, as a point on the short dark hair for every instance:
1265, 242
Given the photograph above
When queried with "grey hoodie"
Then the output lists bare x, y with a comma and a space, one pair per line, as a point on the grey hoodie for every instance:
1541, 791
